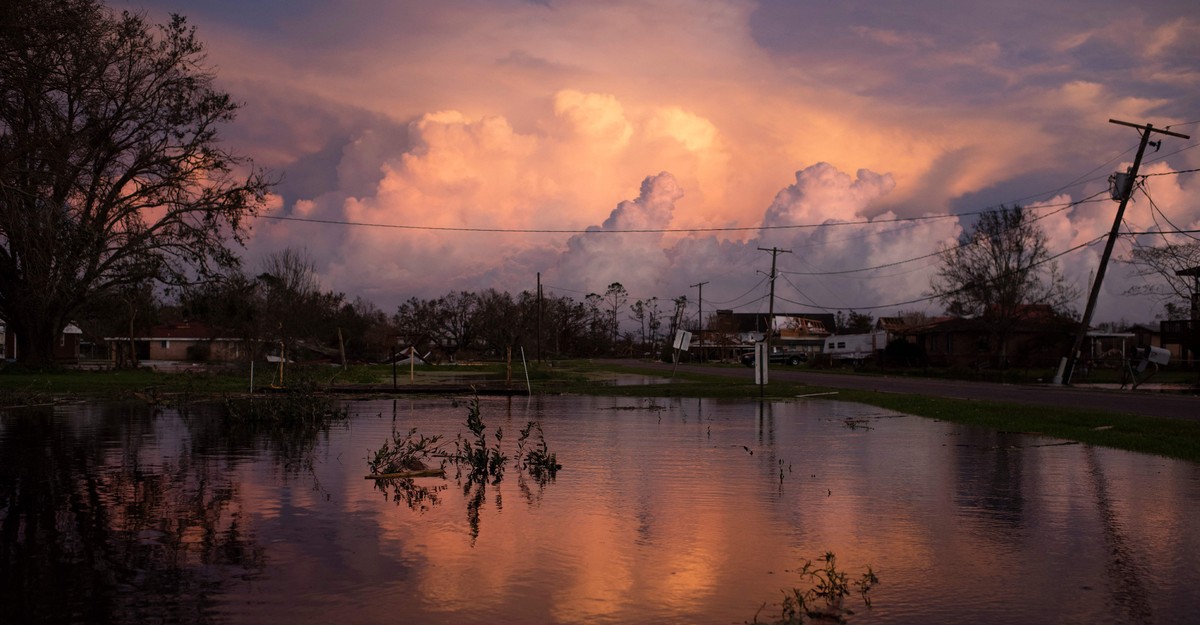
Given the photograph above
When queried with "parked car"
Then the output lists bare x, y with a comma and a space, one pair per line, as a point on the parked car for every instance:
780, 358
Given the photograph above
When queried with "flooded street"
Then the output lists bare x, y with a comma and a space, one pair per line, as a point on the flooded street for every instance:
664, 511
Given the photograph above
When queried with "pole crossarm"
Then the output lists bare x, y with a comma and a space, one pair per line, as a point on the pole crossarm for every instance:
1149, 127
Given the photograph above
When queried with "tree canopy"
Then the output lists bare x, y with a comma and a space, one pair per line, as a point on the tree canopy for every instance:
999, 267
111, 172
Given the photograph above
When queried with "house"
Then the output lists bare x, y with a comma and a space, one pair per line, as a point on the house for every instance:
1182, 336
1038, 338
185, 341
66, 348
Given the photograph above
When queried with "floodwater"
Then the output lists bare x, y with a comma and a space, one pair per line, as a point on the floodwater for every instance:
664, 511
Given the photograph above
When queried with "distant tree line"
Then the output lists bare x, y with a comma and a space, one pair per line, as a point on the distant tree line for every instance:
283, 308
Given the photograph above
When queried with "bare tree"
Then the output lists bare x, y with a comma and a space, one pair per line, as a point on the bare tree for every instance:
111, 173
1000, 271
1161, 266
615, 297
294, 307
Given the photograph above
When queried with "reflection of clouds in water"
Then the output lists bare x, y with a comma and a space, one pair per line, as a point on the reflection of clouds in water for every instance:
660, 514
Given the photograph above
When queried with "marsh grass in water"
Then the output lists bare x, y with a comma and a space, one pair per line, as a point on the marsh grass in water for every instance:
474, 453
478, 458
536, 459
821, 598
408, 454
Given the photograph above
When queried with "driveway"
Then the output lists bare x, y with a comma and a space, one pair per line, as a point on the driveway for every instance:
1146, 403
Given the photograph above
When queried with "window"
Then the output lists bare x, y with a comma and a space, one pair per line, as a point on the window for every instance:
165, 344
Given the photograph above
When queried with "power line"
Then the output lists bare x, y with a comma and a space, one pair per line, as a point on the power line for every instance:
953, 291
1168, 155
751, 290
1062, 207
1171, 173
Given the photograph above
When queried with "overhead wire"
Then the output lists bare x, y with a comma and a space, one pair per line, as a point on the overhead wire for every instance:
1156, 209
910, 221
1062, 207
958, 290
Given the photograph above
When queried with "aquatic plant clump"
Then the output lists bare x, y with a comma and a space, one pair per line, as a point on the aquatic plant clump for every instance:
408, 455
305, 407
822, 599
483, 460
411, 454
541, 464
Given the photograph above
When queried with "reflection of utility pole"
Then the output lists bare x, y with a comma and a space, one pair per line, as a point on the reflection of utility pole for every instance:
1068, 366
771, 305
700, 314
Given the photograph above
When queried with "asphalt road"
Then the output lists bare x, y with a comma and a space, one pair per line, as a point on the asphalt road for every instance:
1147, 403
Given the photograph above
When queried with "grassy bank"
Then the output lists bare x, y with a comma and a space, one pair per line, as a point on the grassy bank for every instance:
1165, 437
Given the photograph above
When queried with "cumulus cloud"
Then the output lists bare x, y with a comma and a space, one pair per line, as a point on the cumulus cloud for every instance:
544, 117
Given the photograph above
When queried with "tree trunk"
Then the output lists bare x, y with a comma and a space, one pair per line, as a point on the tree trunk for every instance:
36, 336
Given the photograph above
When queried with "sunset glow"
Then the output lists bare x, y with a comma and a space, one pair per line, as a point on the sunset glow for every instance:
704, 120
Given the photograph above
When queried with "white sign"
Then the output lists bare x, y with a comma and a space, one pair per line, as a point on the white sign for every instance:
683, 340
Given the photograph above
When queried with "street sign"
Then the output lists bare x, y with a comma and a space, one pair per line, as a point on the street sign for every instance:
683, 340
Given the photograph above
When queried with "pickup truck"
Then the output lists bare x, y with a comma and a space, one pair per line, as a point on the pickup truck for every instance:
780, 358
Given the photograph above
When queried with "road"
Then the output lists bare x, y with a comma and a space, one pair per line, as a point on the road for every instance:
1151, 404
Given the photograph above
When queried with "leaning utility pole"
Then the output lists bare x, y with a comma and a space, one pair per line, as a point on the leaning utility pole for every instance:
700, 314
775, 252
1068, 366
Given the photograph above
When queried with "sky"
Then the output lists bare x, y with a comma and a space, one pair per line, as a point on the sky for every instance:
663, 143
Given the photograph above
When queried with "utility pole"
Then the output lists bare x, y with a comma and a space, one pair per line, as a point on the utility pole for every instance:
700, 314
775, 252
1068, 366
539, 317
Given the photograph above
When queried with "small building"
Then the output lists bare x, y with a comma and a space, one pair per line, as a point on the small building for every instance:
66, 348
1038, 339
186, 341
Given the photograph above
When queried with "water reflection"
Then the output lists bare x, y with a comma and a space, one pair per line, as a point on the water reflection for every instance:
666, 511
99, 525
1125, 584
416, 493
478, 461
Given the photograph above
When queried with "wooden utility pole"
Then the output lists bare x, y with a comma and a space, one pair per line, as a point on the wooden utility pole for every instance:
539, 317
700, 315
775, 252
1068, 366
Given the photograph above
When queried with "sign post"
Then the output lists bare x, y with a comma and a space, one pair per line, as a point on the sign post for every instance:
760, 363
